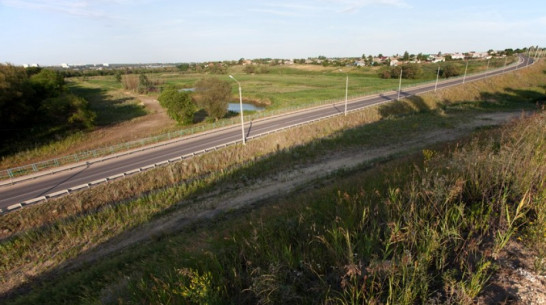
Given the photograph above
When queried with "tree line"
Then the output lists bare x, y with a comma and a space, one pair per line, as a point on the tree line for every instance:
34, 104
414, 71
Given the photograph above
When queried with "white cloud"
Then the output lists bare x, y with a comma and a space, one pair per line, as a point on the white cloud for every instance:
355, 5
76, 8
284, 13
79, 8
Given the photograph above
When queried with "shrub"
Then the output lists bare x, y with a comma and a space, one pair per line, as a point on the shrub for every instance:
179, 105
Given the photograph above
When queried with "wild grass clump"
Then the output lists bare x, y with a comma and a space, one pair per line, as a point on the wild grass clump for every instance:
430, 232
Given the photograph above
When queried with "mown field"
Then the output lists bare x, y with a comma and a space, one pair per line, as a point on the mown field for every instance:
427, 226
120, 114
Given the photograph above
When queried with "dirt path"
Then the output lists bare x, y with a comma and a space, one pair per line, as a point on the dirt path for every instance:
236, 196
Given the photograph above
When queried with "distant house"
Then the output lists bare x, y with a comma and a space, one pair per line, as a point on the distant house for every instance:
483, 55
457, 56
360, 63
435, 59
394, 62
379, 59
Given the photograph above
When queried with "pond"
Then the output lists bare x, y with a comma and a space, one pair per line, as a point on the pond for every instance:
232, 106
246, 107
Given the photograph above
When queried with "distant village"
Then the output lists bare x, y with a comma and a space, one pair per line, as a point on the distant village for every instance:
221, 66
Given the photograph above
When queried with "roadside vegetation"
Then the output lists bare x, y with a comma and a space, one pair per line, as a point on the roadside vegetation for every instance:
398, 233
35, 106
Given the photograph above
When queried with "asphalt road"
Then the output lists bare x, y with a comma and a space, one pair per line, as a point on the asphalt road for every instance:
30, 189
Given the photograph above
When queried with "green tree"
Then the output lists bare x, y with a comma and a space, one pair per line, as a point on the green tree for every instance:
47, 83
69, 110
450, 70
213, 94
17, 100
144, 83
183, 67
249, 69
406, 56
411, 71
117, 76
179, 105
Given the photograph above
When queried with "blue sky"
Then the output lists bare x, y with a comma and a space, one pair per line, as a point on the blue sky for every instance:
51, 32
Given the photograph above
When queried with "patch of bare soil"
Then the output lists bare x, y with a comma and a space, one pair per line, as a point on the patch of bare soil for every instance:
516, 281
155, 120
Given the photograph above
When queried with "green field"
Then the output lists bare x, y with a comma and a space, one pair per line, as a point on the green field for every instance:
285, 87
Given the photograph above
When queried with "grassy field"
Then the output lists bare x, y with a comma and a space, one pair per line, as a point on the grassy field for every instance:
38, 241
284, 87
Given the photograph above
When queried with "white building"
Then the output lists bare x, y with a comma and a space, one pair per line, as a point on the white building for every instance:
455, 56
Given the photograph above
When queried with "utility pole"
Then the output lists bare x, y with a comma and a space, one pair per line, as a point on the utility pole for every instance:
346, 92
437, 76
346, 89
465, 69
400, 83
241, 109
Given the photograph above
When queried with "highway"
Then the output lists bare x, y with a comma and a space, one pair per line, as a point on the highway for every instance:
14, 196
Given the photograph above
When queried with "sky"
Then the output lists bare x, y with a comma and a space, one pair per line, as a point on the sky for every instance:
52, 32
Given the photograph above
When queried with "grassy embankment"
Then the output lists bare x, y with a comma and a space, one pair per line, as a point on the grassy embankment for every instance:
281, 89
54, 233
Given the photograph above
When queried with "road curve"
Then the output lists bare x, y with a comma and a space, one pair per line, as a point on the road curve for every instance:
17, 195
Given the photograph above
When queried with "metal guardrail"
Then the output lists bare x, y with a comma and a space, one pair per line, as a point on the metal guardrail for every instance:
100, 152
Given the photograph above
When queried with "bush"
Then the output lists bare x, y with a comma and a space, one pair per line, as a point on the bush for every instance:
450, 70
179, 105
409, 71
130, 82
70, 110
